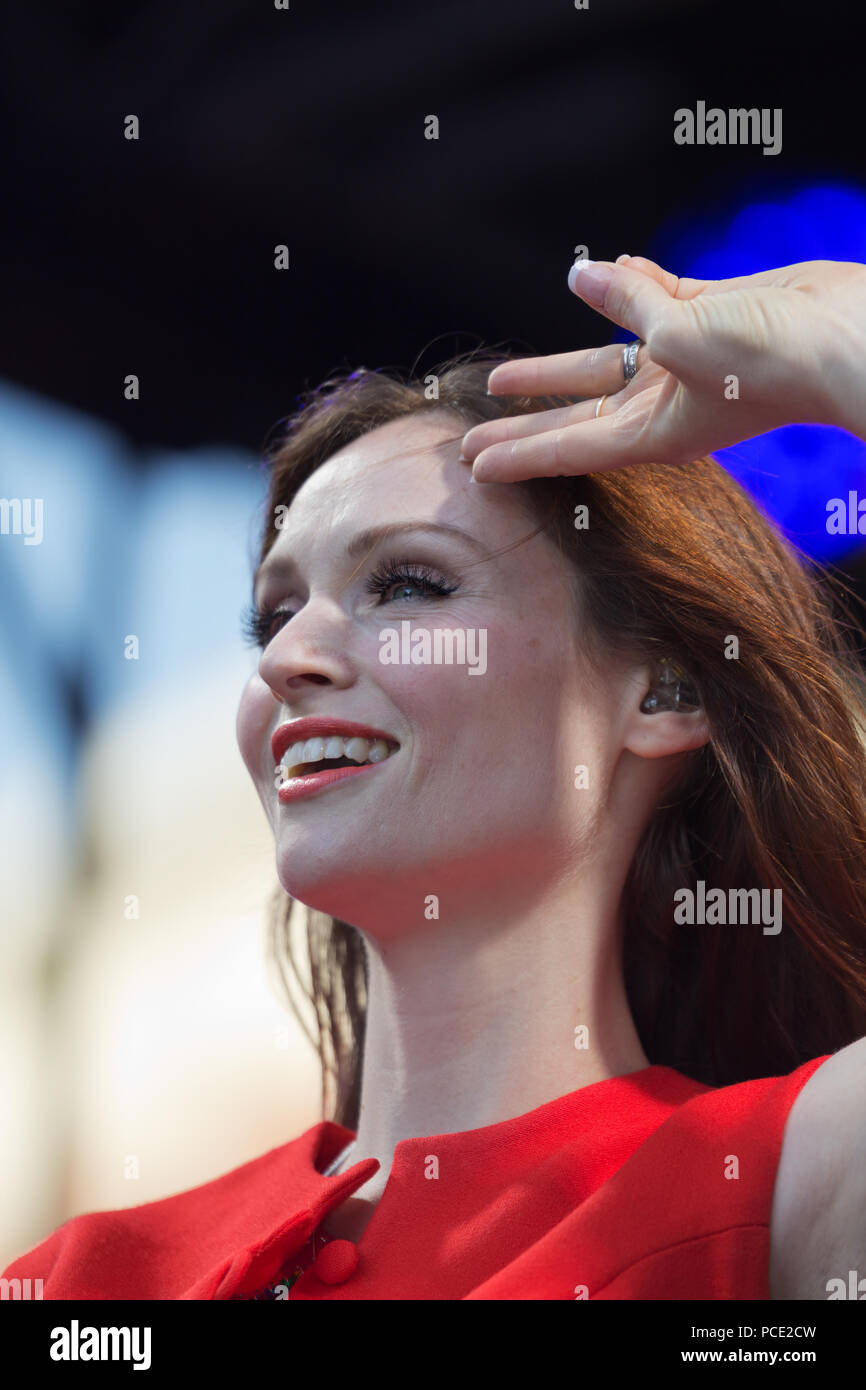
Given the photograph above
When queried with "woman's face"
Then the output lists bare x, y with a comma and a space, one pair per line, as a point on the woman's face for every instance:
477, 802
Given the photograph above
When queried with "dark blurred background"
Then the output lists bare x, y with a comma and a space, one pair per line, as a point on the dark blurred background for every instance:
306, 127
302, 126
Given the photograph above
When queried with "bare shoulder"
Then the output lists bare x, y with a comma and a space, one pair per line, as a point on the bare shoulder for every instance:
818, 1217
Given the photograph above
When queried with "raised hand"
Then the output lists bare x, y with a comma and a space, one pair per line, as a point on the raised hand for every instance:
721, 361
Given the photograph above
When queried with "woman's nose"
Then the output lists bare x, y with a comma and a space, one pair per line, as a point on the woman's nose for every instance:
310, 649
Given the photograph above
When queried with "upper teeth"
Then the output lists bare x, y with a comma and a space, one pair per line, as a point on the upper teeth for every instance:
312, 750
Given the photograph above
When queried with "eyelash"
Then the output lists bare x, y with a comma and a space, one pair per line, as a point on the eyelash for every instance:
257, 623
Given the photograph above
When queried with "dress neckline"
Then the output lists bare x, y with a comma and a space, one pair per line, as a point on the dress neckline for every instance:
653, 1081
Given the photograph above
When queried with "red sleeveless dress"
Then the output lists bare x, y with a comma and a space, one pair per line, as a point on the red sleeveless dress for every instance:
644, 1186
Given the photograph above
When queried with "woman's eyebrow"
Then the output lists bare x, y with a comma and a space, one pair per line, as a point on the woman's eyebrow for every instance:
370, 536
366, 539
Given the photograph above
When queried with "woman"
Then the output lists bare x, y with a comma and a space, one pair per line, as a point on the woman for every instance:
587, 934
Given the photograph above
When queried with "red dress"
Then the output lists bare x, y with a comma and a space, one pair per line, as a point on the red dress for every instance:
645, 1186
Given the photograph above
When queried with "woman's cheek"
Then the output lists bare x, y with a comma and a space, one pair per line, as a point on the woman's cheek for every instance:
252, 726
448, 713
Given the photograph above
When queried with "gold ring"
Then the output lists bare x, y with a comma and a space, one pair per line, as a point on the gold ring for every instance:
599, 406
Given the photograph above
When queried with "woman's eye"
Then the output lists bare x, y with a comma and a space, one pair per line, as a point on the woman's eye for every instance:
394, 580
398, 589
261, 625
277, 620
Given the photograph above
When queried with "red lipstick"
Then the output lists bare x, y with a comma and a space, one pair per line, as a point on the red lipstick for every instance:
297, 787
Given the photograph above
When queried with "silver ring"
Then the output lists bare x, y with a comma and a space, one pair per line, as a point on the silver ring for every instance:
629, 359
599, 406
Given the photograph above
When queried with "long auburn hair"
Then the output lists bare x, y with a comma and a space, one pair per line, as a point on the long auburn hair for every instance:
675, 559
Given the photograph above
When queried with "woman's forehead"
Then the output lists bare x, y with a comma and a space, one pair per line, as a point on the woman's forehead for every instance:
403, 469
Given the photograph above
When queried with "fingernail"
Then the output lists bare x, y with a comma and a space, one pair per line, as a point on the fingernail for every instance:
624, 257
590, 280
462, 458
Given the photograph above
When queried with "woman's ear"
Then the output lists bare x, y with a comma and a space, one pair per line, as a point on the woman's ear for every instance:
666, 717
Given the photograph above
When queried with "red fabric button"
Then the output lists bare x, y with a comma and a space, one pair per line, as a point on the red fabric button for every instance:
336, 1262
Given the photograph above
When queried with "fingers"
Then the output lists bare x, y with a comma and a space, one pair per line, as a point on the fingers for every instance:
624, 434
591, 446
502, 433
588, 372
684, 287
625, 296
780, 278
678, 286
665, 278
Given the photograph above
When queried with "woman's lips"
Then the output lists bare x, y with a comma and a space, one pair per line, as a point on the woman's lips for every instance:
307, 740
297, 787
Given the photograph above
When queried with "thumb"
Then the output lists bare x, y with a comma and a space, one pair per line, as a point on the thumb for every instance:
627, 297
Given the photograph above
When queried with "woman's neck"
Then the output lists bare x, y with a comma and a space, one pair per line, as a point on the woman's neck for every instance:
470, 1023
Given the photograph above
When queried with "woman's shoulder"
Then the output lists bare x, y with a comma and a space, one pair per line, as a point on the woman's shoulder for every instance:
762, 1099
758, 1107
786, 1154
156, 1248
686, 1213
818, 1223
730, 1137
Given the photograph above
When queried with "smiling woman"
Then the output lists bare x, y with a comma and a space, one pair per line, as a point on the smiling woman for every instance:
548, 1085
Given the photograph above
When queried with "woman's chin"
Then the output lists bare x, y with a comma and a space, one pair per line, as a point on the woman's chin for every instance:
355, 887
326, 888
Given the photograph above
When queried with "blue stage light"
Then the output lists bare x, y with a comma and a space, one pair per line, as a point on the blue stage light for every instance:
796, 473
